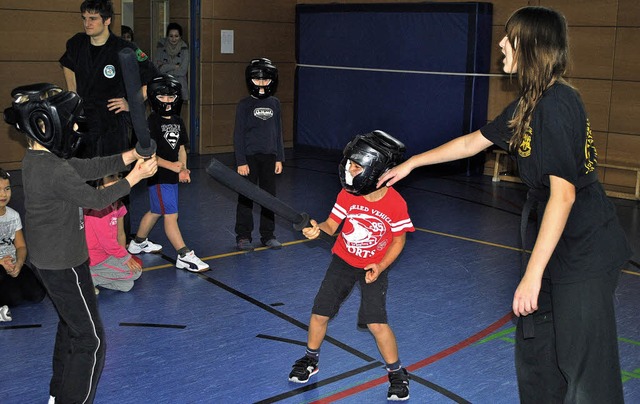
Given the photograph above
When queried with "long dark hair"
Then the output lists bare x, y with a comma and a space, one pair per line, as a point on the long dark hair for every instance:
538, 36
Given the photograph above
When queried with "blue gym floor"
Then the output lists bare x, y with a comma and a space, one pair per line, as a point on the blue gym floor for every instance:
230, 335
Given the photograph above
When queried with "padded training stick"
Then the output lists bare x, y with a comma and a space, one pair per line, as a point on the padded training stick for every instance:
131, 76
243, 186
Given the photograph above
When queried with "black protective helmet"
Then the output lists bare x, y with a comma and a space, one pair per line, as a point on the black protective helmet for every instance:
375, 152
47, 114
261, 68
165, 84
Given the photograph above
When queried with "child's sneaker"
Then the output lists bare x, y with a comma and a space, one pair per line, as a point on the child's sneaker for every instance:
398, 385
244, 244
146, 246
5, 313
273, 244
191, 263
303, 369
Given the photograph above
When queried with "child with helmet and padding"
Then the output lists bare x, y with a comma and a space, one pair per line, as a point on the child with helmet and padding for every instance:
374, 226
169, 132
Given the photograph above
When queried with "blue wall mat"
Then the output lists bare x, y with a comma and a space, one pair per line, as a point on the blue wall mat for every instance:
380, 66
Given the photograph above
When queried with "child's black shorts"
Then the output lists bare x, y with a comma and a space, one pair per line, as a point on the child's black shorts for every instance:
338, 283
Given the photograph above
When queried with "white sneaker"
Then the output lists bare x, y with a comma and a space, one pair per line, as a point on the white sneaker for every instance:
5, 314
191, 263
146, 246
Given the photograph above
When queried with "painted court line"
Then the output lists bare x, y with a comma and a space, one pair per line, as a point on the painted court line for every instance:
420, 364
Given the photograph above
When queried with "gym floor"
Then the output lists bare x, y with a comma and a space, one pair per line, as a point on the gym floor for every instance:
230, 335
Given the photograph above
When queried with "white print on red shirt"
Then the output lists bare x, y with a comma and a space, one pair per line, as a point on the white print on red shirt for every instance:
362, 232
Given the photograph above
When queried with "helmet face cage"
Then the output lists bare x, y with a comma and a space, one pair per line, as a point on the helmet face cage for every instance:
165, 84
261, 69
375, 152
48, 114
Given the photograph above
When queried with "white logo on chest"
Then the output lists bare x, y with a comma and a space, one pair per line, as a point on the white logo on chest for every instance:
263, 113
109, 71
171, 134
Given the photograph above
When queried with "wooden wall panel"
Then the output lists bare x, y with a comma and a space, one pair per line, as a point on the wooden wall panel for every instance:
623, 149
36, 35
253, 10
627, 60
625, 108
255, 39
629, 13
41, 5
593, 13
596, 95
206, 41
586, 42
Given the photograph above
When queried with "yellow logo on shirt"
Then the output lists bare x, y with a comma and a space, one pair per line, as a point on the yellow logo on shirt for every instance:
590, 152
525, 146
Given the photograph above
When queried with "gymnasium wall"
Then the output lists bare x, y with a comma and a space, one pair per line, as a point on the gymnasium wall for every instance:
261, 29
34, 34
605, 39
605, 54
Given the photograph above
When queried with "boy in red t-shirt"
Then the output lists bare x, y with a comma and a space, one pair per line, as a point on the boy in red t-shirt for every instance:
373, 235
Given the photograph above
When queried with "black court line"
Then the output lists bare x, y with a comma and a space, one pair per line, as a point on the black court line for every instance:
280, 339
181, 327
320, 383
17, 327
285, 317
439, 389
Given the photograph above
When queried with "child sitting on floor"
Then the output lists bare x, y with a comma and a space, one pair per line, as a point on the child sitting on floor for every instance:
112, 267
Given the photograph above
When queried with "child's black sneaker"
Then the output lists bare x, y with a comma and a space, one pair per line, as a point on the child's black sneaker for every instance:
303, 369
398, 385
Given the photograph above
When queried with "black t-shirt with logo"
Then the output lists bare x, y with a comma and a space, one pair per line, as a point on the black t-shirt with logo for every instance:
258, 129
169, 135
560, 143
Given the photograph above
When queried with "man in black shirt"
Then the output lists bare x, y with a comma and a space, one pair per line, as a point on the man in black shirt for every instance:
92, 69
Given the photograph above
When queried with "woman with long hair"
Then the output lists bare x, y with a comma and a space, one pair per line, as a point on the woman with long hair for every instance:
566, 338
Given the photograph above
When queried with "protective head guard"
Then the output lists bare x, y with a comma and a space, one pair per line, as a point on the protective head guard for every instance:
261, 69
165, 84
375, 152
47, 114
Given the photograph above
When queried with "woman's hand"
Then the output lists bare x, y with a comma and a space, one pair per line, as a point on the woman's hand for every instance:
394, 175
525, 299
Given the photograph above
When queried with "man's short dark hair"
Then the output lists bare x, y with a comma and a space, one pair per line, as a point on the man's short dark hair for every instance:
3, 174
102, 7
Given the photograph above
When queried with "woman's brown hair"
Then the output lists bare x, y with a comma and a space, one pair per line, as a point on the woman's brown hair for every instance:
538, 36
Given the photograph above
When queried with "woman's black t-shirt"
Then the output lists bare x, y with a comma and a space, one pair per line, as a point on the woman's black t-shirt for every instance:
559, 143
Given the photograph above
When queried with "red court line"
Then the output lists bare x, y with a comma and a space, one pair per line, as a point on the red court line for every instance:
427, 361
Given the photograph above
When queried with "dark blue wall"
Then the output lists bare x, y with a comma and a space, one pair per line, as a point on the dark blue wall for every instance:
422, 110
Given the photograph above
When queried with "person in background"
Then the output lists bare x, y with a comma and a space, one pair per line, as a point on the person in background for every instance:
259, 149
126, 33
172, 57
566, 337
18, 283
111, 265
169, 132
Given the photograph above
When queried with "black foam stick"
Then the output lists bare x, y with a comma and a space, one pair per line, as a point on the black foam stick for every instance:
131, 76
243, 186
